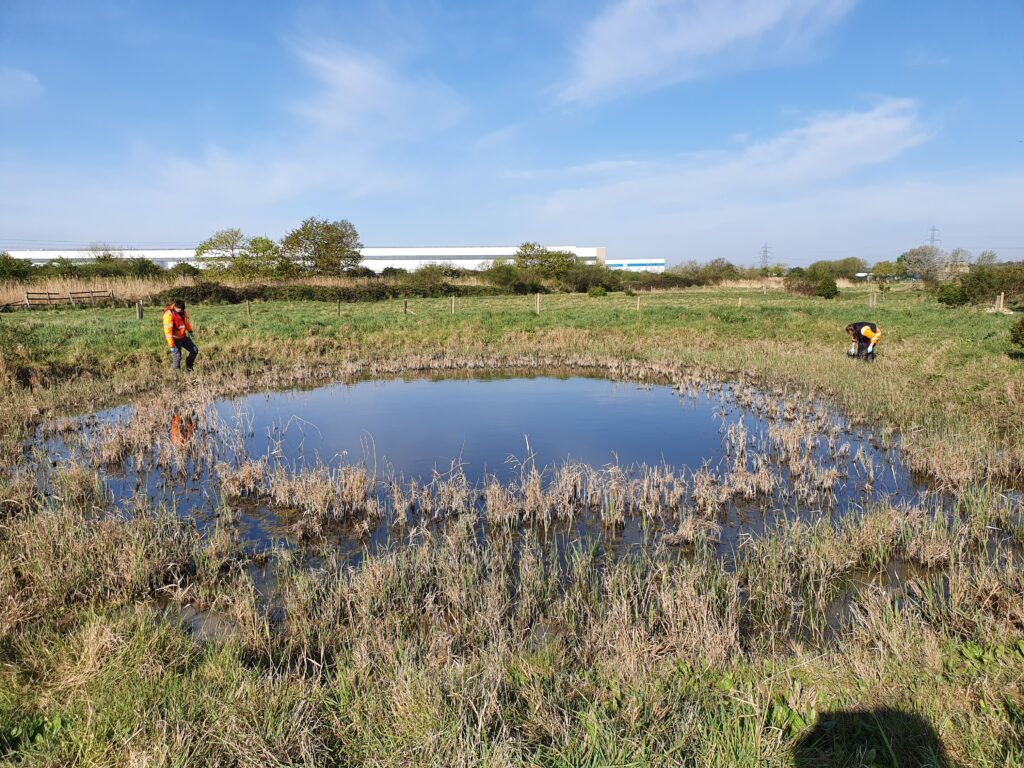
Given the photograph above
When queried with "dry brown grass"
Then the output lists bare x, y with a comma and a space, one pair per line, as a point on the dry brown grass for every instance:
123, 288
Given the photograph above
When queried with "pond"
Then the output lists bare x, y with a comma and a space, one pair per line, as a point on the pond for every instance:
582, 455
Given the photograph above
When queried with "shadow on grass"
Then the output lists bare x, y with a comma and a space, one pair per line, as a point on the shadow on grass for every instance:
886, 738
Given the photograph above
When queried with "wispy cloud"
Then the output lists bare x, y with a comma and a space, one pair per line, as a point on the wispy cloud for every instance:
358, 92
646, 44
18, 86
360, 109
827, 146
711, 203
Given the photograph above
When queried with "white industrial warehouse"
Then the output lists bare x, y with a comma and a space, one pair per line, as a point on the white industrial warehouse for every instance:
377, 259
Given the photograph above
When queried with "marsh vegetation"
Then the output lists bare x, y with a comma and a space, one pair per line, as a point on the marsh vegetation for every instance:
563, 613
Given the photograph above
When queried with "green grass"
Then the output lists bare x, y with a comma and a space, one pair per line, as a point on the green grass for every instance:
423, 657
947, 378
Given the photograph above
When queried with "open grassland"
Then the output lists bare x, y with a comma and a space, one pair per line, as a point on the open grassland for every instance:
449, 651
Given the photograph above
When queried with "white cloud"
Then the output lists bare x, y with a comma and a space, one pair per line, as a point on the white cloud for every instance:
341, 150
826, 147
645, 44
18, 86
361, 94
805, 190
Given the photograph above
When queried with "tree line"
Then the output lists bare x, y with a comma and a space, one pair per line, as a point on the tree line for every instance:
325, 248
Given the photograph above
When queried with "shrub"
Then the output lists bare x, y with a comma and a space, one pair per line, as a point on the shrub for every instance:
360, 271
393, 271
184, 269
951, 294
215, 293
796, 281
1017, 332
986, 281
597, 290
512, 279
826, 288
584, 277
14, 269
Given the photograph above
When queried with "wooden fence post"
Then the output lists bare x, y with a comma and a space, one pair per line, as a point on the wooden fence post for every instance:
248, 308
536, 306
638, 303
339, 307
452, 305
138, 309
405, 306
872, 299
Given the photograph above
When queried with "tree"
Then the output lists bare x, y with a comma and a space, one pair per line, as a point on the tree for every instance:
220, 249
986, 258
264, 257
323, 247
925, 262
959, 256
842, 268
553, 264
884, 271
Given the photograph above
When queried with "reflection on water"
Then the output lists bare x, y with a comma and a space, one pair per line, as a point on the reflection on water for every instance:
638, 461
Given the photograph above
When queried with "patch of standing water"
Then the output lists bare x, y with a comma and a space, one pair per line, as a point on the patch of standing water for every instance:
638, 460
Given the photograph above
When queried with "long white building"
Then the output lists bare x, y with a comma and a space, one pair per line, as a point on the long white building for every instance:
377, 259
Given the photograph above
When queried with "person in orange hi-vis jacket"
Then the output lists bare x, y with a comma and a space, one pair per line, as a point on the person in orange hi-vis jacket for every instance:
865, 337
178, 332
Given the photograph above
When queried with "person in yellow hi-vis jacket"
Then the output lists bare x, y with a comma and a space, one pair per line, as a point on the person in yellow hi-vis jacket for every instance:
178, 332
865, 337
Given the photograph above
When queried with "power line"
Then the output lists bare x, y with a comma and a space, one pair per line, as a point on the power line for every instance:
933, 236
765, 253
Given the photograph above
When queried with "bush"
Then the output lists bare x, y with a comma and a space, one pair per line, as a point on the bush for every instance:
1017, 332
200, 293
826, 288
582, 278
14, 269
512, 279
393, 271
215, 293
712, 273
184, 269
951, 294
796, 281
597, 290
986, 281
848, 268
360, 271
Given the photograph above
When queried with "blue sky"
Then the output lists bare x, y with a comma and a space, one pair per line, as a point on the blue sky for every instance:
686, 129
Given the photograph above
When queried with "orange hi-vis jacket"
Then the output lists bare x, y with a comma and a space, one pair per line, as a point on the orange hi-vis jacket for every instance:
869, 333
175, 325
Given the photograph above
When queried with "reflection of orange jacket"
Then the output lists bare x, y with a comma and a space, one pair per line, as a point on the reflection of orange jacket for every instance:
181, 430
175, 325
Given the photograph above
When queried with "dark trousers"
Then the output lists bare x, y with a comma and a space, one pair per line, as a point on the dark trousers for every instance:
189, 346
862, 350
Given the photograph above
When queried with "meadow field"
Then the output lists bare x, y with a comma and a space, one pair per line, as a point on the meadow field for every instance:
456, 649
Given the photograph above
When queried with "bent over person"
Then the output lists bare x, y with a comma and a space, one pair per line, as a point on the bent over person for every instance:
865, 336
178, 332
